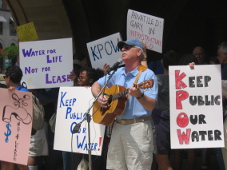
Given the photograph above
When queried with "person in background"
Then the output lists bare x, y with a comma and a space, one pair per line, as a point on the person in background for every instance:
213, 60
106, 68
87, 76
48, 98
191, 153
160, 114
77, 65
131, 144
224, 94
200, 54
222, 57
156, 67
13, 77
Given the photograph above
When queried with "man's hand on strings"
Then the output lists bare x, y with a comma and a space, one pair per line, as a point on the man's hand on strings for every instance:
103, 101
134, 91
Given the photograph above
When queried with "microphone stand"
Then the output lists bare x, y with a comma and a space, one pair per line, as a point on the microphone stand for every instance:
88, 116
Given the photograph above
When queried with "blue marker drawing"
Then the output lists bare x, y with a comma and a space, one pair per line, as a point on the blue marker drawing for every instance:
8, 133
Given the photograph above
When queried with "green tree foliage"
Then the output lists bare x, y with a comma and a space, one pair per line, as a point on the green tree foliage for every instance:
11, 52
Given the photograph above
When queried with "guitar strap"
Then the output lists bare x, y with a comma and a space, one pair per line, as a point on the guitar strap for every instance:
141, 69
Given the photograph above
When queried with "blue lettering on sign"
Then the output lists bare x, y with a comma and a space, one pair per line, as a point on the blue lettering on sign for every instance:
72, 126
111, 46
94, 53
66, 102
46, 69
57, 79
51, 51
73, 115
29, 70
84, 146
55, 59
108, 46
80, 144
30, 52
62, 96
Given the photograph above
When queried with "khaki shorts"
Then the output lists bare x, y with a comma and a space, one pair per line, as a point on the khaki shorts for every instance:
131, 146
38, 144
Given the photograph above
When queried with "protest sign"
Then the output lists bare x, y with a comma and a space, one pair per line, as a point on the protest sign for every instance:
146, 28
46, 64
15, 125
73, 103
27, 32
104, 50
196, 117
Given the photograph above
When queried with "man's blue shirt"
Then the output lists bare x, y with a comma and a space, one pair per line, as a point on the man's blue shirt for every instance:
133, 107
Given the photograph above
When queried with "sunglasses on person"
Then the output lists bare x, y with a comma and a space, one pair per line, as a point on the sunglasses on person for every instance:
127, 47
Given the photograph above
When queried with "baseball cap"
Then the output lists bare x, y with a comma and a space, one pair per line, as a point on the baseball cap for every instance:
133, 42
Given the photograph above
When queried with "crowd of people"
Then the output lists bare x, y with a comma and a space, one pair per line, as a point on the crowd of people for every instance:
140, 135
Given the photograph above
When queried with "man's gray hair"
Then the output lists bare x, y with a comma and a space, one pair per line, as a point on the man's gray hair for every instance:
223, 47
142, 52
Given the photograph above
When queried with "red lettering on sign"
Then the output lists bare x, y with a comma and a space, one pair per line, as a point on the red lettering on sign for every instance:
183, 137
180, 95
178, 78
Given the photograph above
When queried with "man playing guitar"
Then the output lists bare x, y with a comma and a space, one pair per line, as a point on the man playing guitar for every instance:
131, 142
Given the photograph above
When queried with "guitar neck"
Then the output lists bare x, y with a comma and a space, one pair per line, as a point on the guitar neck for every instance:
120, 94
143, 85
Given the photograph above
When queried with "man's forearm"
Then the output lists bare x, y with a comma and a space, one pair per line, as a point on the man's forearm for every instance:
95, 89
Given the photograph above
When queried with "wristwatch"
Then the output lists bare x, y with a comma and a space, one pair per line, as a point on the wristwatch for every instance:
141, 96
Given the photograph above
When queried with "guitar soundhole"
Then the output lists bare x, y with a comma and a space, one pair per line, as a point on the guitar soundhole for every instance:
110, 100
103, 110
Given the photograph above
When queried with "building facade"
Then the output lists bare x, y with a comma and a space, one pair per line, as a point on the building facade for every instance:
8, 34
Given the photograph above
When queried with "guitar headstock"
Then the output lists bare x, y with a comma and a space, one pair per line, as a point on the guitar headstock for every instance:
145, 84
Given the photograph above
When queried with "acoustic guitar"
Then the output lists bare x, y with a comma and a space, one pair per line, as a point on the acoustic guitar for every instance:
117, 97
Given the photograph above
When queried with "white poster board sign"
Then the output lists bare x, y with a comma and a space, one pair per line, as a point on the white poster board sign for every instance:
73, 103
46, 64
146, 28
104, 50
196, 118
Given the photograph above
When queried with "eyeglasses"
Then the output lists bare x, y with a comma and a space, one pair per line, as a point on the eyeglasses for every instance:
127, 47
81, 77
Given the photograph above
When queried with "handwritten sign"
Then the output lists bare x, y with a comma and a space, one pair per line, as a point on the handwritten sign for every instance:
15, 125
146, 28
27, 32
46, 64
196, 117
104, 50
73, 103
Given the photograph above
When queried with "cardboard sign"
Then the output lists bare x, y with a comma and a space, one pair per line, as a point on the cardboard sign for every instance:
146, 28
104, 50
73, 103
16, 114
27, 32
46, 64
196, 114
